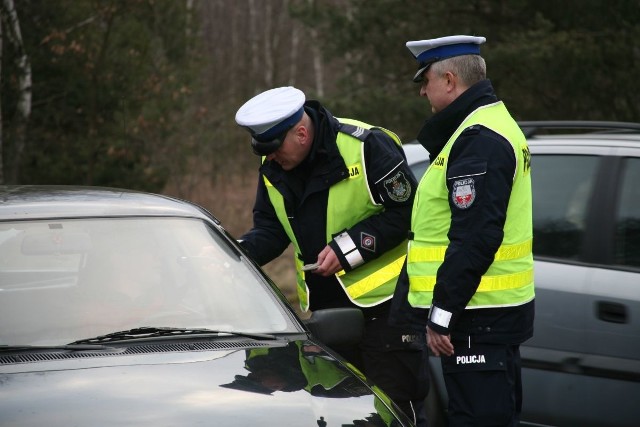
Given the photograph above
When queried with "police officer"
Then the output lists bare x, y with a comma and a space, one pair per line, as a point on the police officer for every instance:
341, 192
469, 261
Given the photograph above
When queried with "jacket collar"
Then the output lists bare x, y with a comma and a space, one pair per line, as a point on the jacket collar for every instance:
437, 130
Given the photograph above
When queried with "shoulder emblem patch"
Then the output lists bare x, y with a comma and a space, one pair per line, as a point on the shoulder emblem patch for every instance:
464, 193
398, 187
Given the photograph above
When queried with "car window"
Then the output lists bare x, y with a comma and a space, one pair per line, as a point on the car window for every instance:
627, 234
419, 169
65, 280
562, 186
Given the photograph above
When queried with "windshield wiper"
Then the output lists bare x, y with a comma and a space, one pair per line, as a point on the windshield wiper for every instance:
72, 347
154, 332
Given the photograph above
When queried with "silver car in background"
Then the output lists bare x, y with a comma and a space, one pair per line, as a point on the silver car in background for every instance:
582, 367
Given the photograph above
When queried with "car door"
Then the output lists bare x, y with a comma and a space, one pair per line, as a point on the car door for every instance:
614, 328
562, 185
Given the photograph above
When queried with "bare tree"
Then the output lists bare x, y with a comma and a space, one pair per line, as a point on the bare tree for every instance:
253, 24
294, 57
1, 123
14, 35
318, 69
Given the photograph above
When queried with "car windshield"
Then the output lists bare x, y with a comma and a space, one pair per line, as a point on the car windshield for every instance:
67, 280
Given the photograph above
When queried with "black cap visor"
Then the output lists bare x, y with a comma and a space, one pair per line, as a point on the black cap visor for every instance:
423, 67
264, 148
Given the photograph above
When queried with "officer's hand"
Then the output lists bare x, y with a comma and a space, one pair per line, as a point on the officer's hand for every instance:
328, 262
439, 344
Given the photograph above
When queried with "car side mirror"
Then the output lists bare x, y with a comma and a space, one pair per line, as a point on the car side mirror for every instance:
337, 326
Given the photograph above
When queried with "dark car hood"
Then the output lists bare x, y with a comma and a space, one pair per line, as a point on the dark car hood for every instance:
184, 388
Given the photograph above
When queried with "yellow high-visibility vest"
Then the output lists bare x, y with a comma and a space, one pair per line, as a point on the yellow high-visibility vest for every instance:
350, 201
509, 279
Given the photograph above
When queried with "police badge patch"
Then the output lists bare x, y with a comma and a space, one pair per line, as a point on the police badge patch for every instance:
368, 242
398, 187
463, 193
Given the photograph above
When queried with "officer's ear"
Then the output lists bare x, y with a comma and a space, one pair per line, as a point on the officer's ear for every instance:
455, 84
451, 78
303, 134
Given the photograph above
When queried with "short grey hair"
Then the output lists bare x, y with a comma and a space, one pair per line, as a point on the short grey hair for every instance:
469, 68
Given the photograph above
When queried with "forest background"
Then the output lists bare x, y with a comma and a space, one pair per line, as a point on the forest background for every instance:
142, 94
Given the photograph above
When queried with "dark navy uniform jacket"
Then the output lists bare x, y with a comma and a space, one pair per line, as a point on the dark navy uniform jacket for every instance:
475, 233
305, 190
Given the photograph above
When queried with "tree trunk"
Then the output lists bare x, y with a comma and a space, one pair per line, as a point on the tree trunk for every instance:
317, 63
1, 149
268, 49
293, 55
253, 36
24, 86
316, 57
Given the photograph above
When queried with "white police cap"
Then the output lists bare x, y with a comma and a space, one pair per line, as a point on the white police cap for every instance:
271, 113
429, 51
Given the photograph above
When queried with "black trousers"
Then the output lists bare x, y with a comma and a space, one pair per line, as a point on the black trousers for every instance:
395, 359
484, 384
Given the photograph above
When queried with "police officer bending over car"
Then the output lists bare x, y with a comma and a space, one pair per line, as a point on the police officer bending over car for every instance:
469, 260
341, 192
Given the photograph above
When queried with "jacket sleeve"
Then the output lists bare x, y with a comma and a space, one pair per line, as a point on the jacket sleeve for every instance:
484, 164
267, 239
393, 185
